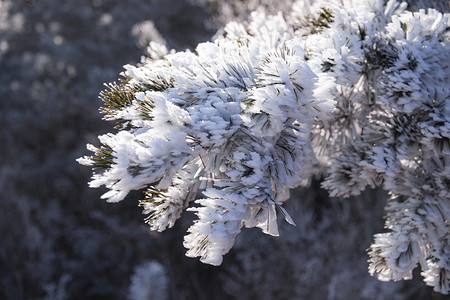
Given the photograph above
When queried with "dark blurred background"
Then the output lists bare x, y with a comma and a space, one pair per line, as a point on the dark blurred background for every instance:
59, 240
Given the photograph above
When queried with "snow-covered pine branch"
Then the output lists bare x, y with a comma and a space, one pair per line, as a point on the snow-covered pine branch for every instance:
391, 129
359, 91
232, 121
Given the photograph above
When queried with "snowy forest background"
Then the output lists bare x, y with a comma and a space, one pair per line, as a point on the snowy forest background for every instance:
60, 241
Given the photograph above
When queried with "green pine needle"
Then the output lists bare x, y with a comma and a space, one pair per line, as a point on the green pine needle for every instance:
103, 159
321, 22
117, 96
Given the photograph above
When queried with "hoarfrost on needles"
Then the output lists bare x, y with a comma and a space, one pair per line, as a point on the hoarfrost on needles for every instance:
357, 92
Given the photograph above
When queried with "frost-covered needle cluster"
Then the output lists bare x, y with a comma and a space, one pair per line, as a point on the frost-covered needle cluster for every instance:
231, 121
359, 91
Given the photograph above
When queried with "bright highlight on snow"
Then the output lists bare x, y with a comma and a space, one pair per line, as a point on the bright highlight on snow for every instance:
357, 92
